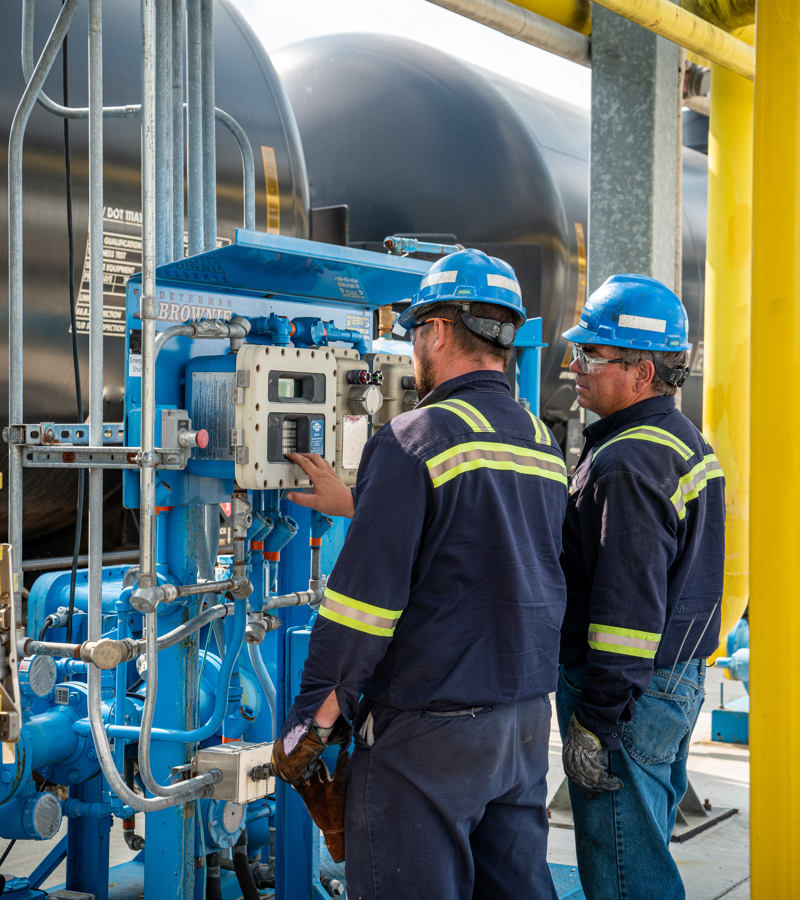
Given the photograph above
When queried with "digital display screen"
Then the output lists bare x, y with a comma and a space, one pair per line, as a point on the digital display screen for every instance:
290, 388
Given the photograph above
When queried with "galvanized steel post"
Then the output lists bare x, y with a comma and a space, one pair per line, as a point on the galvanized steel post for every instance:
164, 143
209, 127
177, 129
774, 486
15, 306
194, 101
632, 182
726, 351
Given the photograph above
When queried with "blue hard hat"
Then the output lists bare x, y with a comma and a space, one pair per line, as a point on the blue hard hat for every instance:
469, 276
633, 311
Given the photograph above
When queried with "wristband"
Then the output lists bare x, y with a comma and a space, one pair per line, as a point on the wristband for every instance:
324, 733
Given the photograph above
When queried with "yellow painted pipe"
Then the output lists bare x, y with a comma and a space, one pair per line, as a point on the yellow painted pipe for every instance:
574, 14
670, 21
775, 459
725, 14
726, 359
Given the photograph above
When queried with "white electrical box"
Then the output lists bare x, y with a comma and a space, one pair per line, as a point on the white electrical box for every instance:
285, 399
397, 376
357, 399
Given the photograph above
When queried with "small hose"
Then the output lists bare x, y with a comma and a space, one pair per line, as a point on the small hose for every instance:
265, 681
244, 874
213, 883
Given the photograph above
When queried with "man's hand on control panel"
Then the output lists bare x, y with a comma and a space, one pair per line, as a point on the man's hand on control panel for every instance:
330, 495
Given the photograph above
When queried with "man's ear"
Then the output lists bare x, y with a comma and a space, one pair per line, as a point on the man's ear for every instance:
440, 335
645, 374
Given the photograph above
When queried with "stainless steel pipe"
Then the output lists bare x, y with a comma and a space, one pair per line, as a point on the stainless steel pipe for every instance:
209, 126
194, 100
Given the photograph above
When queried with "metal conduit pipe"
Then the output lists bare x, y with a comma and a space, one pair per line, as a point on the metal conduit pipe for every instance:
188, 628
524, 25
15, 308
299, 598
207, 329
681, 27
248, 166
149, 306
177, 129
180, 788
267, 686
194, 155
209, 126
220, 703
164, 132
573, 14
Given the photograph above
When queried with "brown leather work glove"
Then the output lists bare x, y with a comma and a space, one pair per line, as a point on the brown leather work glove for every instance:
304, 760
324, 795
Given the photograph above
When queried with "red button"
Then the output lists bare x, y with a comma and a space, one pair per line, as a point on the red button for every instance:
202, 439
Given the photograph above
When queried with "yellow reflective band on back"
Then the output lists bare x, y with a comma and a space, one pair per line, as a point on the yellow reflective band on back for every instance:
627, 641
476, 420
358, 615
542, 435
501, 457
652, 434
690, 485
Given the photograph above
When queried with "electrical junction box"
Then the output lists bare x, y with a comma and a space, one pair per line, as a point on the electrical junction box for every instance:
358, 397
237, 761
284, 400
397, 399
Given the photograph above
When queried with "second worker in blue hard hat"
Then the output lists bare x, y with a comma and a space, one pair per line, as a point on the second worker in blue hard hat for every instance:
643, 556
443, 610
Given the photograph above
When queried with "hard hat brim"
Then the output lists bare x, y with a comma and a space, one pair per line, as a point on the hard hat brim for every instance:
579, 335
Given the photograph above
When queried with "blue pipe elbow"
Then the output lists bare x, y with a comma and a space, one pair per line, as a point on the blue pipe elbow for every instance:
320, 525
282, 532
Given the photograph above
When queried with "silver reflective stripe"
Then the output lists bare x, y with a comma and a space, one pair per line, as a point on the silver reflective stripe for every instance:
439, 278
650, 433
521, 460
357, 615
503, 282
690, 485
603, 637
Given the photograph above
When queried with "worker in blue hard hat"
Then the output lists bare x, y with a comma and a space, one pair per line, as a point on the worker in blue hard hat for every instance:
443, 610
643, 556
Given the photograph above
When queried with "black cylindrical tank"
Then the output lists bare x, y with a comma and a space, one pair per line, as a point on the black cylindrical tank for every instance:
246, 87
418, 142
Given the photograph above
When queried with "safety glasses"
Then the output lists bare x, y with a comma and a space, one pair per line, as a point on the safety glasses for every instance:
412, 331
591, 365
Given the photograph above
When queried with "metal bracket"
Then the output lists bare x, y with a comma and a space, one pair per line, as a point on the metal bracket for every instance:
70, 456
243, 378
10, 707
238, 395
16, 434
237, 437
56, 433
242, 455
180, 773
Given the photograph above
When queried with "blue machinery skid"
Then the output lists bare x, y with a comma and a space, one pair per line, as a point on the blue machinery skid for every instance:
169, 709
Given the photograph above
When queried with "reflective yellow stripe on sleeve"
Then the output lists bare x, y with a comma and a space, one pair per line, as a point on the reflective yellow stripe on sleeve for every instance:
490, 455
360, 616
626, 641
690, 485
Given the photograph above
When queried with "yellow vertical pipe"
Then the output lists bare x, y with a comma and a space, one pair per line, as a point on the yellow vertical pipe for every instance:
726, 366
775, 458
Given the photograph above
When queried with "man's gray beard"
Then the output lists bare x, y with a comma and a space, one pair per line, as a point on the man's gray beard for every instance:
424, 381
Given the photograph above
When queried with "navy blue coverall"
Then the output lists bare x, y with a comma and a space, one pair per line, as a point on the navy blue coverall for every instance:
643, 556
443, 610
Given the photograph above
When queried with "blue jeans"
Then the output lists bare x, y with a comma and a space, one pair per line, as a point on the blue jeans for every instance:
622, 837
449, 804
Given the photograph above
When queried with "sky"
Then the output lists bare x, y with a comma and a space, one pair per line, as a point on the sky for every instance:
279, 23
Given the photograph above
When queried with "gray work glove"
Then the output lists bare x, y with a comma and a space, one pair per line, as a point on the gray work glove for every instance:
586, 763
